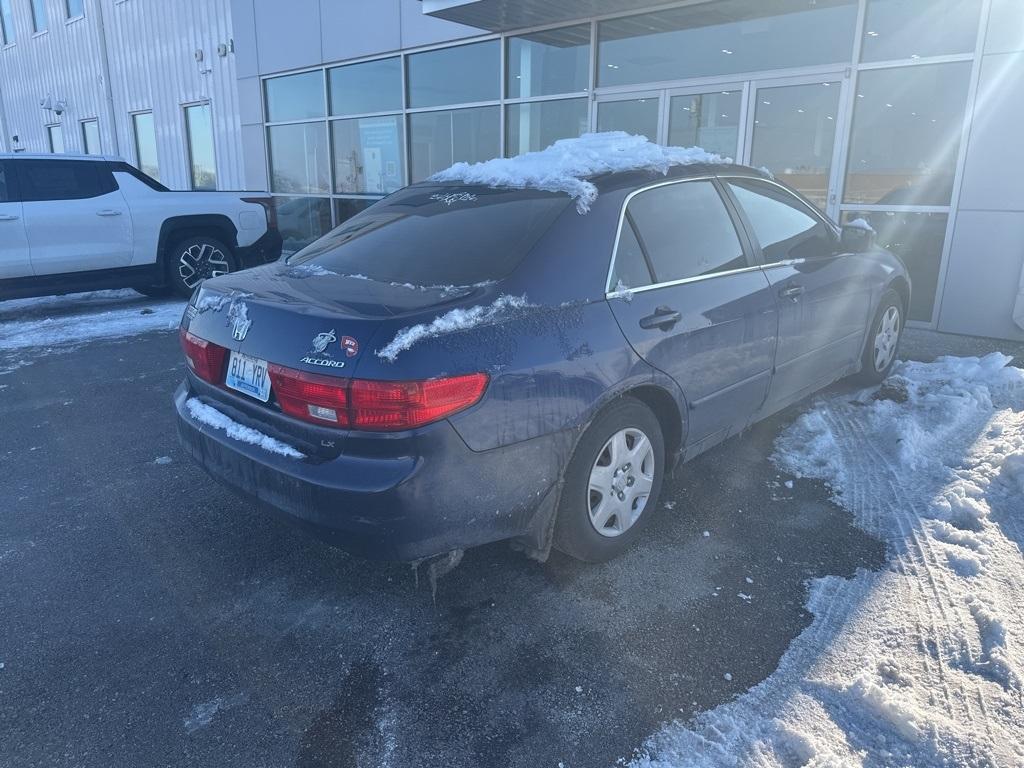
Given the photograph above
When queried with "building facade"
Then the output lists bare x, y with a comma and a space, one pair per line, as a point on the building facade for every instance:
903, 112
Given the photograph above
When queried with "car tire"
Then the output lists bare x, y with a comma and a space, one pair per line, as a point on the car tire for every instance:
609, 470
196, 258
883, 340
154, 291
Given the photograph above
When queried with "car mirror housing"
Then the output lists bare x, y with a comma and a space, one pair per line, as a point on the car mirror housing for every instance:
857, 237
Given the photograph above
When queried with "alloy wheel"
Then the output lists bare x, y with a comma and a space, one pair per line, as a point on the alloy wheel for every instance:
200, 262
887, 337
620, 482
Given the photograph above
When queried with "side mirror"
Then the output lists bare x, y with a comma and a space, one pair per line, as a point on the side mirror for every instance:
857, 237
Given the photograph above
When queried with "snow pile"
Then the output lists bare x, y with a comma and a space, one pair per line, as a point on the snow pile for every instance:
566, 165
450, 322
211, 417
920, 664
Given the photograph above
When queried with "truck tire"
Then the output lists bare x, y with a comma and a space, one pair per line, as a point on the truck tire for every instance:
196, 258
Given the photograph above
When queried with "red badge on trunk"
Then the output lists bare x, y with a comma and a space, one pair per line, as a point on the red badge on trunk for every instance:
350, 345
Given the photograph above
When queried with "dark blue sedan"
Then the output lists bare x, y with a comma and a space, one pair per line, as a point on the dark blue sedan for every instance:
461, 364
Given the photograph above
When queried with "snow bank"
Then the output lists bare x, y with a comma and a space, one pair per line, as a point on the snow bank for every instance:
920, 664
211, 417
566, 165
450, 322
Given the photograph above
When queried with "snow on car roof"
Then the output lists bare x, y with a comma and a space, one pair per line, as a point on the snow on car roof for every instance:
567, 164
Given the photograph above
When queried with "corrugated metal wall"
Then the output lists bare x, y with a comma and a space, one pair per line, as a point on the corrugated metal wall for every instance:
151, 53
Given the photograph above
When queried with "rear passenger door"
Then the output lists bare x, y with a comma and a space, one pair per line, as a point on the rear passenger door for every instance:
14, 260
75, 216
695, 307
824, 296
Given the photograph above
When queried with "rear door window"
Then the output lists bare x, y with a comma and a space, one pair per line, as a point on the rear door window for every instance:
631, 269
6, 183
686, 231
63, 179
782, 223
439, 235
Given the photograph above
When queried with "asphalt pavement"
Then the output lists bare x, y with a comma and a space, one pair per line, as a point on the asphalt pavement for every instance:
149, 617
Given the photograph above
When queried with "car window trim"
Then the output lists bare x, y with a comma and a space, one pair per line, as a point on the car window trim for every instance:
740, 236
11, 180
22, 166
755, 244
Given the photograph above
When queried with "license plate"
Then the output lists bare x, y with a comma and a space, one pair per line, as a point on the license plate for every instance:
248, 375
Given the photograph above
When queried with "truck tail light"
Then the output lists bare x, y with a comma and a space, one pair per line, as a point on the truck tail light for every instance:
269, 206
205, 358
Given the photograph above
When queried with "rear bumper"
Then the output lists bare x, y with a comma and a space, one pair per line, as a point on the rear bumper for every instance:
411, 497
264, 250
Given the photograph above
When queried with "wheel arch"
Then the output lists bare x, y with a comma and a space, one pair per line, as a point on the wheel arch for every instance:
666, 410
901, 285
176, 228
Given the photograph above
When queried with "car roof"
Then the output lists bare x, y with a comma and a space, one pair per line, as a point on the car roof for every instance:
608, 182
62, 156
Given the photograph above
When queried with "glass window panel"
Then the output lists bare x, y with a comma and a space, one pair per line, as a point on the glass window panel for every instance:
368, 154
5, 193
67, 180
299, 160
904, 29
347, 207
548, 63
55, 136
91, 137
302, 220
203, 167
708, 120
794, 135
783, 226
686, 231
637, 116
631, 269
39, 20
458, 75
373, 86
536, 125
917, 238
439, 139
6, 22
295, 97
145, 144
907, 124
723, 38
75, 8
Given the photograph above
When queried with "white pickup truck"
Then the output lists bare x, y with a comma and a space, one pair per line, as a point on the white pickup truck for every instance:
79, 223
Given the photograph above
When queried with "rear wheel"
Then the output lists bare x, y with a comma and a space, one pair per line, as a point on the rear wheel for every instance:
612, 483
883, 342
197, 258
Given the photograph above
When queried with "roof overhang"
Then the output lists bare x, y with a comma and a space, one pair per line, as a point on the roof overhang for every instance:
505, 15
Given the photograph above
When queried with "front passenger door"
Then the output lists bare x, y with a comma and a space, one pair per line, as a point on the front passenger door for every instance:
75, 216
824, 296
696, 309
14, 259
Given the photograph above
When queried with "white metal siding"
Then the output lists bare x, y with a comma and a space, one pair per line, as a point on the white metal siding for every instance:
151, 49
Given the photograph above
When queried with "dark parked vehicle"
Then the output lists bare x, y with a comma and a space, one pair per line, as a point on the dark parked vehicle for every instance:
462, 364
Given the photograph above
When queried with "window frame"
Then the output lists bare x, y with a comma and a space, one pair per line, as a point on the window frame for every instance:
804, 205
68, 16
13, 189
49, 138
83, 135
134, 117
7, 35
190, 163
727, 202
105, 181
37, 27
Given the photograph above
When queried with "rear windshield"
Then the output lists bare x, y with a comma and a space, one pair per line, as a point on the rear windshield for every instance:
438, 235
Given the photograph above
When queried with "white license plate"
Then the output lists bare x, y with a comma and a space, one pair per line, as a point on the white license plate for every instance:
248, 375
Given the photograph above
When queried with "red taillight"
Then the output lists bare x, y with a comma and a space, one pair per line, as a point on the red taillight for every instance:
205, 358
307, 396
376, 406
269, 207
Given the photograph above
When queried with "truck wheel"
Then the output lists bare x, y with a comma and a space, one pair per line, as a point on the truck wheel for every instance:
612, 483
883, 342
197, 258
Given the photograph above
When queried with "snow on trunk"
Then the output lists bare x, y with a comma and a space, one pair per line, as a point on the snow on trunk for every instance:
567, 164
920, 664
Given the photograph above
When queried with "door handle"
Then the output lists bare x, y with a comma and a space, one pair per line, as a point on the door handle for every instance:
791, 291
9, 217
108, 212
663, 318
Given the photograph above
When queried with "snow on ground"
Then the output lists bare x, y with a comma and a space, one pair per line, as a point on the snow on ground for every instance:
920, 664
51, 323
566, 164
211, 417
450, 322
